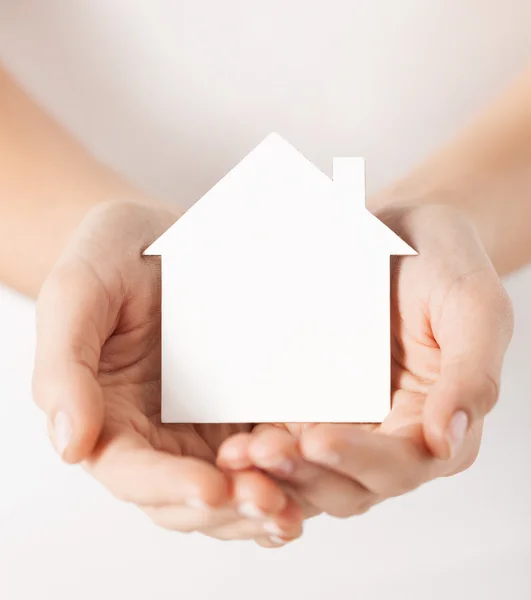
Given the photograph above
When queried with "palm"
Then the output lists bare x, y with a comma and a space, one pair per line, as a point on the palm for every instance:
432, 299
415, 355
129, 376
99, 334
423, 290
451, 323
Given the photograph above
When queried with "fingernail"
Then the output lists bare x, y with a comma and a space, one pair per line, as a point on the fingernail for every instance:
250, 510
272, 528
196, 503
62, 432
457, 430
278, 541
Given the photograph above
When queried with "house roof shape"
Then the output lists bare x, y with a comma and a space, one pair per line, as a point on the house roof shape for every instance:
275, 183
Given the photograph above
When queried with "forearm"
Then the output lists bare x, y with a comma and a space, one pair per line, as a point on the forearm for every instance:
486, 173
48, 182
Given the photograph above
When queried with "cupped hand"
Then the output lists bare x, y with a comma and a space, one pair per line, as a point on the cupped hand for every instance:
97, 377
451, 325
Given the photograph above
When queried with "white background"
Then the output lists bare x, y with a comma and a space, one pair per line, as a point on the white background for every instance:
172, 94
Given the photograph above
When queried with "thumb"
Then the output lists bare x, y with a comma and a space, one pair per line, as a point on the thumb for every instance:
473, 334
72, 314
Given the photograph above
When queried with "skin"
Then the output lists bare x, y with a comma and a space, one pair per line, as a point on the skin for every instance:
73, 236
77, 231
98, 331
451, 325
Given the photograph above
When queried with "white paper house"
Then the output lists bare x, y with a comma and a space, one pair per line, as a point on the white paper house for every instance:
276, 297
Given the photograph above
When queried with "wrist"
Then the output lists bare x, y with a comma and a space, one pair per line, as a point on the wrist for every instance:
408, 196
65, 219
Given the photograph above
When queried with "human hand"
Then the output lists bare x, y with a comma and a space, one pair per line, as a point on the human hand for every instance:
97, 377
451, 325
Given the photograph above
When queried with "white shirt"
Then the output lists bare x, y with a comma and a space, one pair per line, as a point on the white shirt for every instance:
173, 94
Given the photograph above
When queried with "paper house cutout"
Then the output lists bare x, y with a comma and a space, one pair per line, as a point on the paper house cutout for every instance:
276, 297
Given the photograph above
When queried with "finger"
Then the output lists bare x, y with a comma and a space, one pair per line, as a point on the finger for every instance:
234, 455
239, 459
73, 316
473, 332
385, 464
225, 522
286, 525
250, 494
276, 451
246, 530
272, 541
256, 496
233, 452
278, 541
134, 472
284, 528
187, 520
